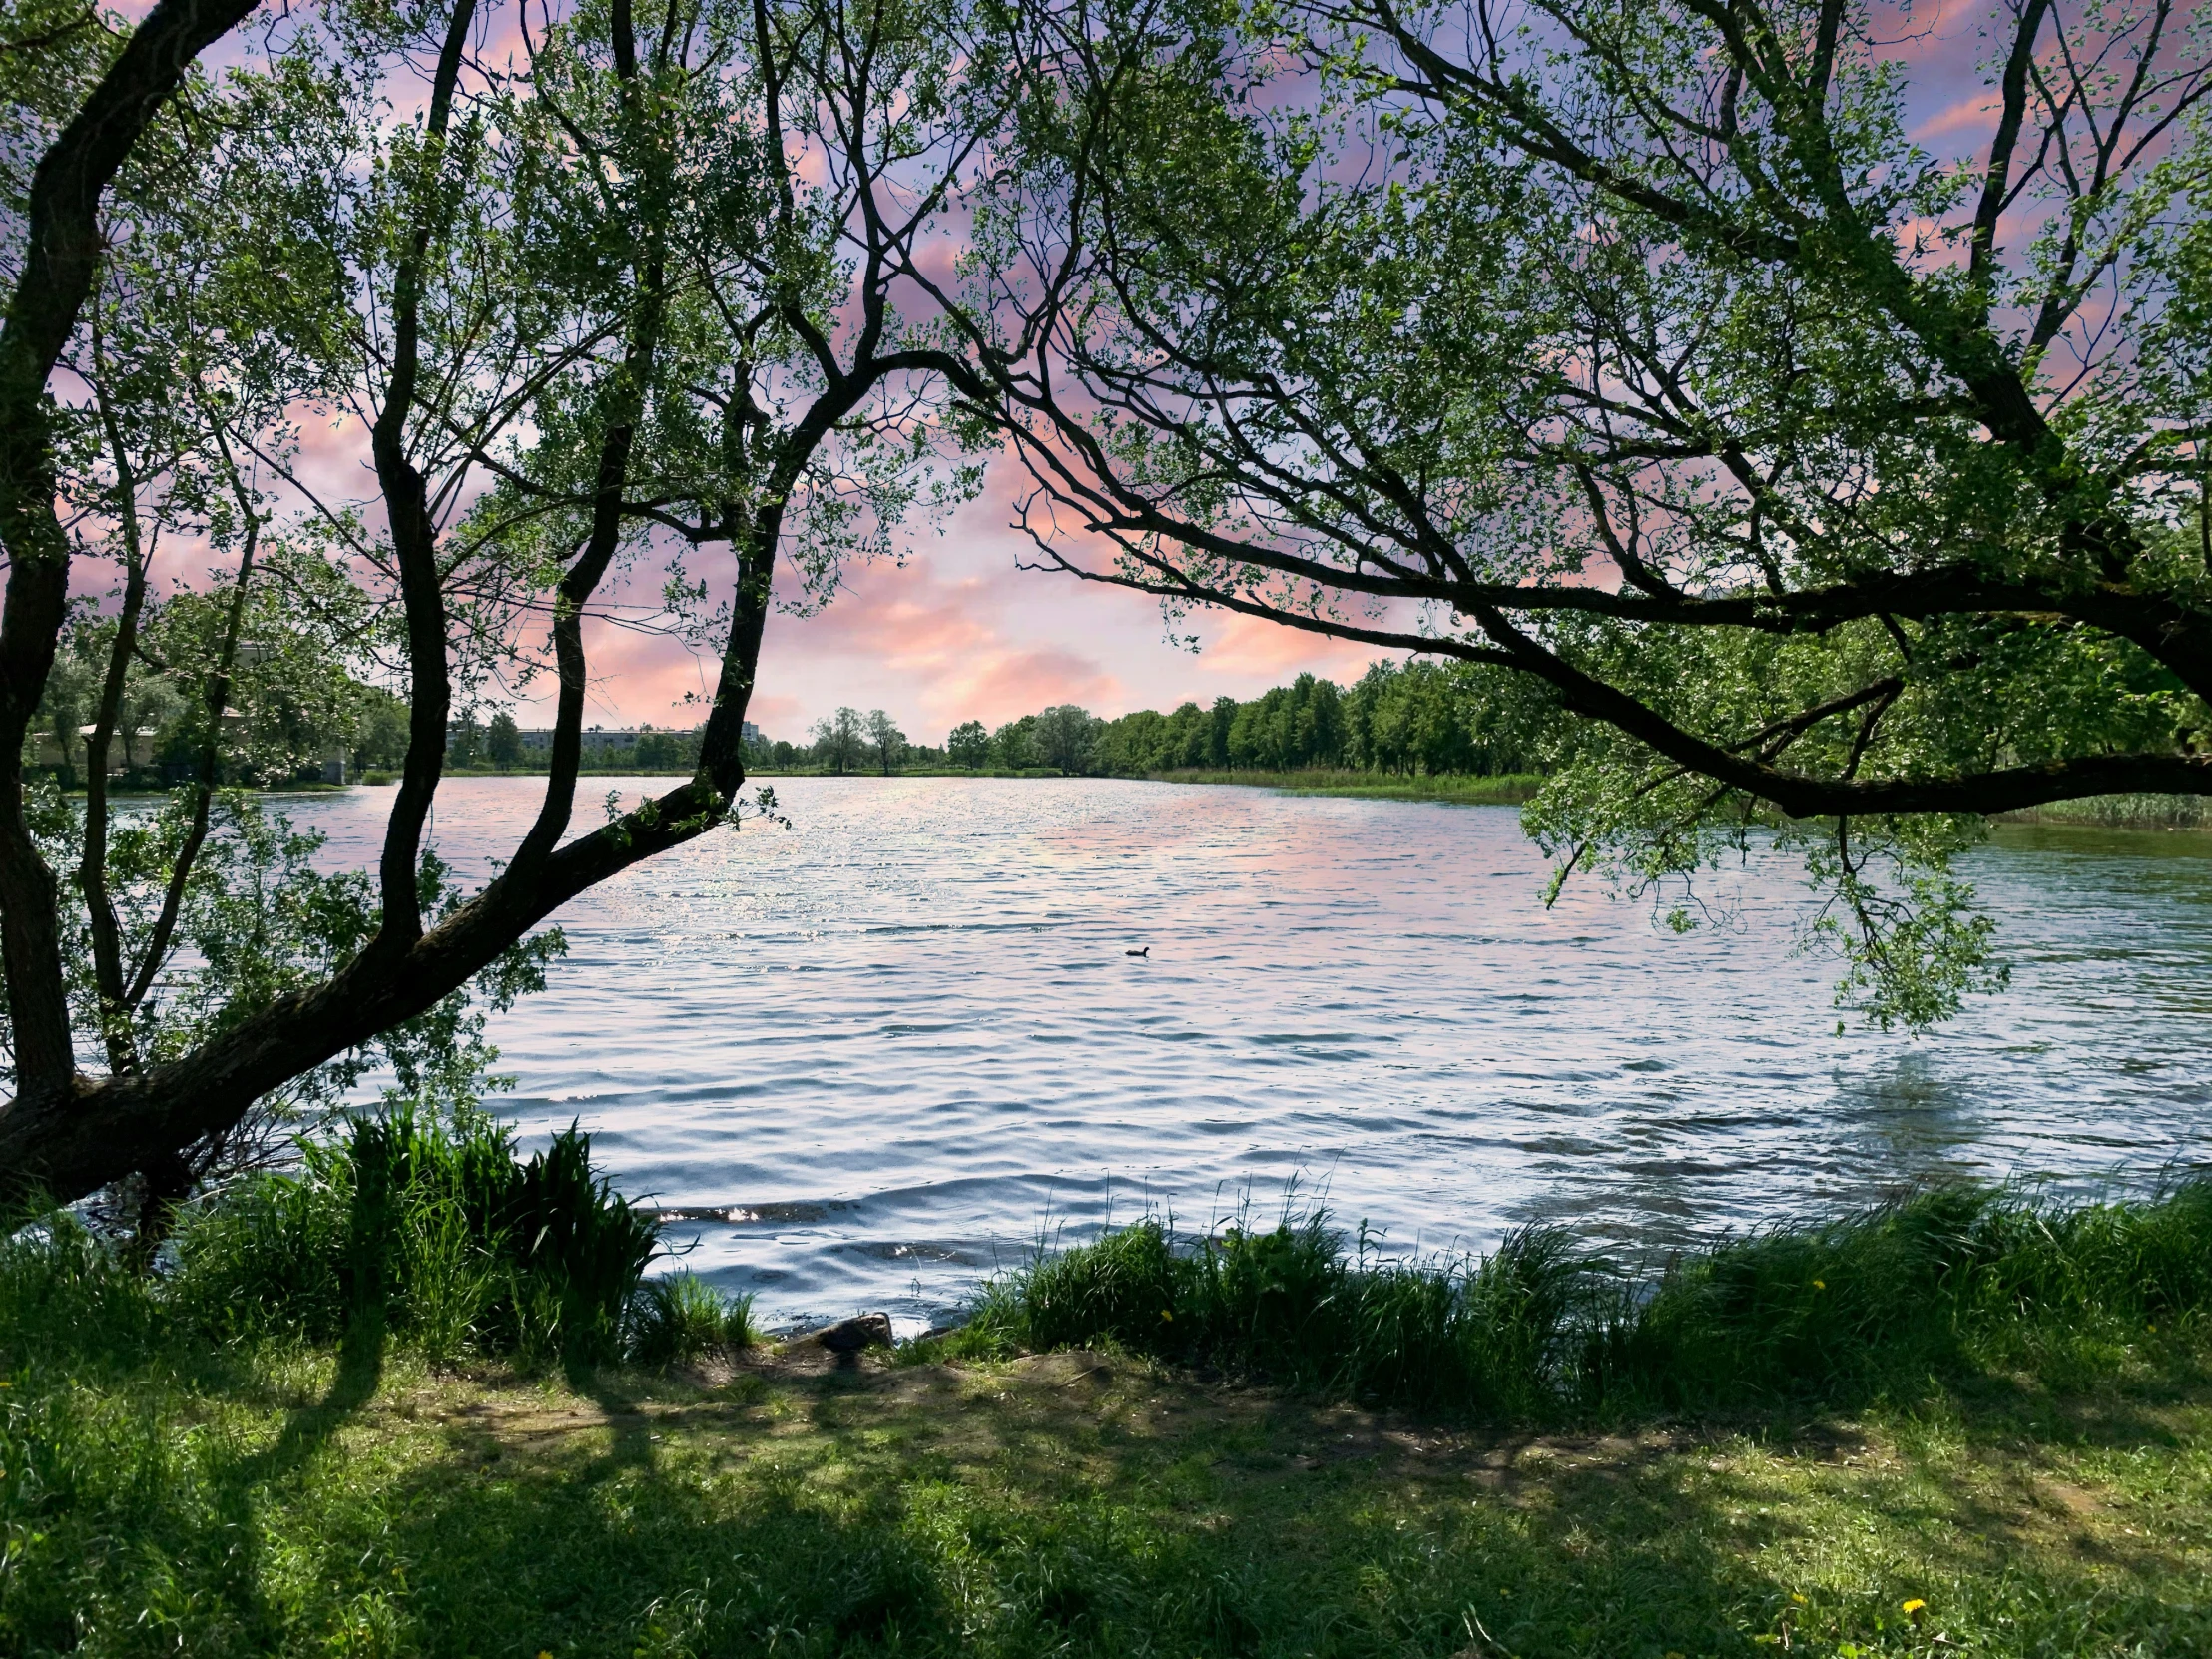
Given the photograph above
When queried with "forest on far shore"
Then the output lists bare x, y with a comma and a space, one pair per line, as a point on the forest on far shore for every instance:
1410, 719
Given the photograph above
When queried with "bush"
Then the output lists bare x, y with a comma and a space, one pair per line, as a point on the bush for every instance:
438, 1231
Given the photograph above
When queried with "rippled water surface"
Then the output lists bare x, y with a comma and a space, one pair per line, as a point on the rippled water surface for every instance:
886, 1048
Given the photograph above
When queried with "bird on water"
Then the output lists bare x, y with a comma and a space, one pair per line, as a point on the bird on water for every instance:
1146, 951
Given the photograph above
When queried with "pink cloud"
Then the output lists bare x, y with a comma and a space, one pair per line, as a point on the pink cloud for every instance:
1250, 644
1970, 114
1008, 684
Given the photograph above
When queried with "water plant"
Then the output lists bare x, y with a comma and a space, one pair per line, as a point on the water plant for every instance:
437, 1230
1948, 1280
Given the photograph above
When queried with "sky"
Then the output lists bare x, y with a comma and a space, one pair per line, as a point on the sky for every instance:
960, 632
956, 630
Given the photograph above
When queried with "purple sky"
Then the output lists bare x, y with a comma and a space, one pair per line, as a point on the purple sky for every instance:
961, 633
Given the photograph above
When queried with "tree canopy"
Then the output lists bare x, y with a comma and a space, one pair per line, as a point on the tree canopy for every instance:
1850, 492
573, 290
1637, 354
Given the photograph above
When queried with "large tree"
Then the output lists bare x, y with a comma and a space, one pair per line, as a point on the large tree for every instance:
622, 289
1850, 492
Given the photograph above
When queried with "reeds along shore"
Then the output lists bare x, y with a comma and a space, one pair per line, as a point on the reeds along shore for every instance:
450, 1244
1952, 1282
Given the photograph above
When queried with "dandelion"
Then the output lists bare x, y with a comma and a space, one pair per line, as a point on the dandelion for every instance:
1820, 1283
1170, 1317
1912, 1609
1800, 1601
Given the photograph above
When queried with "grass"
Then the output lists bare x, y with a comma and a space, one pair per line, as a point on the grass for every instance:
1984, 1431
439, 1233
1508, 791
2121, 812
1959, 1281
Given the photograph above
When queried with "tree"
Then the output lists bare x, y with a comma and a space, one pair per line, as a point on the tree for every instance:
1845, 493
837, 739
969, 744
503, 740
625, 294
464, 745
1014, 745
1067, 738
657, 752
886, 739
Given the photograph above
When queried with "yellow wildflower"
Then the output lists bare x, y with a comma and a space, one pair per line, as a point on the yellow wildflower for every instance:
1820, 1283
1913, 1607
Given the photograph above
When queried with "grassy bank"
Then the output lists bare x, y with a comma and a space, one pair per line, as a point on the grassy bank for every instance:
1960, 1283
1471, 792
2122, 812
1966, 1421
164, 1493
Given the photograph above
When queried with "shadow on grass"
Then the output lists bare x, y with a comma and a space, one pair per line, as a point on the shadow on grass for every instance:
920, 1513
307, 1428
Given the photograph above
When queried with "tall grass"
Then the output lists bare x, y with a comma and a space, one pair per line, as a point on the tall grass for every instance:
443, 1234
1950, 1281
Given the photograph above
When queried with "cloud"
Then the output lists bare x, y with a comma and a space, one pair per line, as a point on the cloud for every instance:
1974, 114
1006, 684
1250, 645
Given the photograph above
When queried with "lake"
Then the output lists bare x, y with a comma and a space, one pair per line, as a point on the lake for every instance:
871, 1057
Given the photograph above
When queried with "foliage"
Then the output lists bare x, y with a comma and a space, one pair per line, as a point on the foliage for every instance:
887, 740
1833, 487
1411, 718
253, 919
839, 739
438, 1230
969, 744
621, 299
1956, 1281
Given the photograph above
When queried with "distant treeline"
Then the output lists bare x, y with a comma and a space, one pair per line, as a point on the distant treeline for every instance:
1405, 720
1415, 718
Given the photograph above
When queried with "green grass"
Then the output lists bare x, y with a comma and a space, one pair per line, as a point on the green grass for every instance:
1994, 1408
443, 1234
2122, 812
1959, 1281
1508, 791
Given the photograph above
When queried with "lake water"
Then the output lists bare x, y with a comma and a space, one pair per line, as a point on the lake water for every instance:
875, 1055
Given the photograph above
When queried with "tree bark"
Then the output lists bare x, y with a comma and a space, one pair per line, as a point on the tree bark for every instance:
61, 253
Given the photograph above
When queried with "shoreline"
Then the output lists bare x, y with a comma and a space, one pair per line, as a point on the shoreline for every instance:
2185, 814
272, 1496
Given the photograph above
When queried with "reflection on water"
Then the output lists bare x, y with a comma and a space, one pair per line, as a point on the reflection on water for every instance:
866, 1059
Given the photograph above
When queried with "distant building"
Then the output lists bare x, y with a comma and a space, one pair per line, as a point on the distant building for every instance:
536, 740
125, 749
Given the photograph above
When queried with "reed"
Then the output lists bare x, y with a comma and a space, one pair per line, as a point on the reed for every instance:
441, 1233
1951, 1281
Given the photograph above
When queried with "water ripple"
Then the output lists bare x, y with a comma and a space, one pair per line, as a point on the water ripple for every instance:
864, 1060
